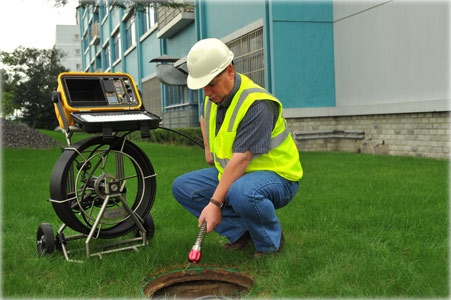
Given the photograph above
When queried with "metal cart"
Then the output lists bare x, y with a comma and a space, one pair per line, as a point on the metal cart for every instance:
102, 187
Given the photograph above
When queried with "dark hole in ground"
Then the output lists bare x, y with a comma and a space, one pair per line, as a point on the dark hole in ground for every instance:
195, 283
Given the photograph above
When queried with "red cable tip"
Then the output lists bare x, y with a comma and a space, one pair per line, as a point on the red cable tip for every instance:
194, 256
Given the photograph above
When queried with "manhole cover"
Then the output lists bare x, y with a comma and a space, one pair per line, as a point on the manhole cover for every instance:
196, 283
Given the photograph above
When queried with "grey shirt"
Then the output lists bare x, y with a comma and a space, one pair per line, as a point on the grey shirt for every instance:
254, 130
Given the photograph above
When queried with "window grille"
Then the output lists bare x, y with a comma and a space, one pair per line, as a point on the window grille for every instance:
249, 55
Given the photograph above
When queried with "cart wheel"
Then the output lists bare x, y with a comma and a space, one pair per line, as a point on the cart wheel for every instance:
94, 171
44, 239
149, 226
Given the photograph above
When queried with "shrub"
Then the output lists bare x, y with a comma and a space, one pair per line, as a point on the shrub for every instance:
165, 136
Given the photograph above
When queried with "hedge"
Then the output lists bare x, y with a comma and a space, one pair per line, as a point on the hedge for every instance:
164, 136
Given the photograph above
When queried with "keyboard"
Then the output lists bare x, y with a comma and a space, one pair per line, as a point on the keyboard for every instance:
115, 117
119, 120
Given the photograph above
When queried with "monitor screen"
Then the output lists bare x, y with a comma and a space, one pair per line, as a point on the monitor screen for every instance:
82, 92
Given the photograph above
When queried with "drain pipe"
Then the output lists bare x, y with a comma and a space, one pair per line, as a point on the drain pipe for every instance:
330, 134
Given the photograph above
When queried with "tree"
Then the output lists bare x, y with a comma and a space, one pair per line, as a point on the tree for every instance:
8, 105
30, 77
136, 4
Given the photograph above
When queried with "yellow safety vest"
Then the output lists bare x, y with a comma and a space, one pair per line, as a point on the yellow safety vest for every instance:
283, 156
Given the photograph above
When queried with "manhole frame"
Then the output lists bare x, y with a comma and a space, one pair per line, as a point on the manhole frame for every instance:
180, 276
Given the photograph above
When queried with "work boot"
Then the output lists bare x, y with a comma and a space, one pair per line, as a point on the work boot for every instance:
260, 254
242, 242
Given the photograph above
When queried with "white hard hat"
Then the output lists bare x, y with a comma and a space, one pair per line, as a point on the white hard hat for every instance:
206, 59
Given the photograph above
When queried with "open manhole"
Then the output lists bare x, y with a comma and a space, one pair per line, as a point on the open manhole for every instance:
202, 283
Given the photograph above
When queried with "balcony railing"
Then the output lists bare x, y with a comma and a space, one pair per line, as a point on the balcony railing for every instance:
173, 19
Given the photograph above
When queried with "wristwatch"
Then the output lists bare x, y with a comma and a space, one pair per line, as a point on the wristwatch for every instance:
217, 203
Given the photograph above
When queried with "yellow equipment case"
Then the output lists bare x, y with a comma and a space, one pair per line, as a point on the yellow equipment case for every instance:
101, 102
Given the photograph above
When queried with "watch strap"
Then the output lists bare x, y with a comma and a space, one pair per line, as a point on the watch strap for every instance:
217, 203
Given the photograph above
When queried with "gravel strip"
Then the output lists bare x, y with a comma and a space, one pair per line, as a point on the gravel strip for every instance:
16, 135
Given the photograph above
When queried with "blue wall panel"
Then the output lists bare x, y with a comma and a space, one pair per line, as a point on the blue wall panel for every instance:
303, 62
150, 50
303, 10
117, 68
300, 45
223, 17
131, 63
106, 31
180, 45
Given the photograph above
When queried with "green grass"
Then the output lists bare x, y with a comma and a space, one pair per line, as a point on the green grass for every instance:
360, 226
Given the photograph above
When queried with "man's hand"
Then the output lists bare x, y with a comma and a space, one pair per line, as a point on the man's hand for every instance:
234, 170
212, 214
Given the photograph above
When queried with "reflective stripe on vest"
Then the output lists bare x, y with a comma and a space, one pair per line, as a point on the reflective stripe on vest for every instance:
240, 102
274, 143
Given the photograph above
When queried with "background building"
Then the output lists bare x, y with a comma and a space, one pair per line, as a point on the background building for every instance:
68, 40
360, 76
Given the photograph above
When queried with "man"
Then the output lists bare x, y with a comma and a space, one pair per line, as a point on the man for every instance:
256, 162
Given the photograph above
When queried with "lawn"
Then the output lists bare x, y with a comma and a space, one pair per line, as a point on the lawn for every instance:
360, 226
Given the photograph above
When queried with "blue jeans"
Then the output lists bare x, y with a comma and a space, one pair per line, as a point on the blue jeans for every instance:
250, 203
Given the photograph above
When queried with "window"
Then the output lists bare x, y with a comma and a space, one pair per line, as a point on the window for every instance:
179, 94
130, 34
149, 19
76, 37
116, 46
249, 55
95, 32
77, 52
106, 56
98, 64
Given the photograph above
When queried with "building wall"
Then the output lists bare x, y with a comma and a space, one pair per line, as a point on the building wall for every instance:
180, 45
181, 118
67, 39
391, 82
302, 54
373, 75
412, 134
152, 95
389, 57
134, 60
220, 18
150, 49
131, 61
392, 52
